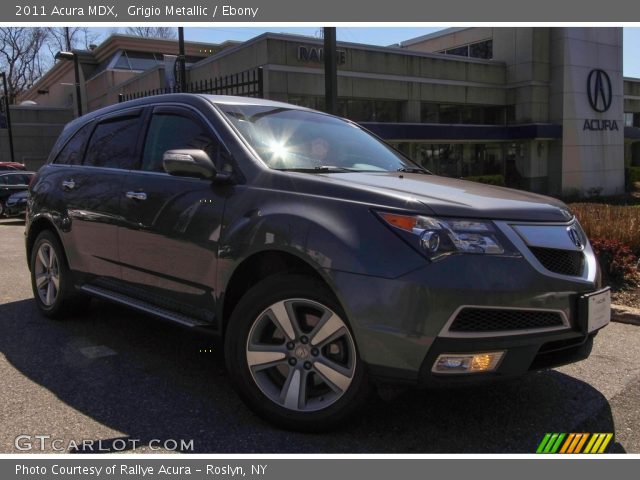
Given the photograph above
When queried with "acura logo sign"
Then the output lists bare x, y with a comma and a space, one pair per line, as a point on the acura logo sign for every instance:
599, 90
574, 236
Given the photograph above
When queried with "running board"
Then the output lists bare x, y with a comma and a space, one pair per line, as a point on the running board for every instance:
143, 306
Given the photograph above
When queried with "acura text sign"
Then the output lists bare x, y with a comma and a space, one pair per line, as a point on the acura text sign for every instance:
600, 95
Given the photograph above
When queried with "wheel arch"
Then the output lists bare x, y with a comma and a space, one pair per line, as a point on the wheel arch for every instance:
36, 227
259, 266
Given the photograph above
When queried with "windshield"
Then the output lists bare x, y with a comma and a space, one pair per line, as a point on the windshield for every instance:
290, 139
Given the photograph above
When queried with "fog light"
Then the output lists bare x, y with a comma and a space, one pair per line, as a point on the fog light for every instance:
467, 362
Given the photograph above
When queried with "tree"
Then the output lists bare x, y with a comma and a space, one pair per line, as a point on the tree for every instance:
152, 32
21, 57
69, 38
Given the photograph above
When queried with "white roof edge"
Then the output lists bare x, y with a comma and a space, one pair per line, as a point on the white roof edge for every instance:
429, 36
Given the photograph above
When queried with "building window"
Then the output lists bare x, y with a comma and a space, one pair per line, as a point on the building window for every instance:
459, 51
463, 114
356, 109
130, 60
632, 119
483, 49
486, 162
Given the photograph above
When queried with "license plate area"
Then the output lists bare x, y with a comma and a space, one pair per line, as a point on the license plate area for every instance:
595, 308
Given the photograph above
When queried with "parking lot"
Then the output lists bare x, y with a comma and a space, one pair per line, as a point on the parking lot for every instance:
115, 374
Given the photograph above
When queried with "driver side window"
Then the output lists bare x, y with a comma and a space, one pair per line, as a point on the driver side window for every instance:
170, 131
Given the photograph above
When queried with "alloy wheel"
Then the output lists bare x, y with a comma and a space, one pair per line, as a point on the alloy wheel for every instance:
301, 355
47, 274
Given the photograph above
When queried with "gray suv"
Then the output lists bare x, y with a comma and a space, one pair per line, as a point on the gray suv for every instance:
327, 260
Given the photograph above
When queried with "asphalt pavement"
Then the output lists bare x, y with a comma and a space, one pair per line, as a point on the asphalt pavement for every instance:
122, 379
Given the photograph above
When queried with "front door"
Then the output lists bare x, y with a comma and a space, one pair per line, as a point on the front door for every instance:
169, 241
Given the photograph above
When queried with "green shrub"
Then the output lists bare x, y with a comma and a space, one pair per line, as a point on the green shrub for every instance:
632, 176
488, 179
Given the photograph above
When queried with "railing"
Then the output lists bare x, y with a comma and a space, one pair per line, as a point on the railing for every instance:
249, 83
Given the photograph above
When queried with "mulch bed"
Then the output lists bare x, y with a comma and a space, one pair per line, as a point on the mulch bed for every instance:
629, 297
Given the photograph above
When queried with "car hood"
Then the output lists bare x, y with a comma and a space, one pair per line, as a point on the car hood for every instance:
459, 198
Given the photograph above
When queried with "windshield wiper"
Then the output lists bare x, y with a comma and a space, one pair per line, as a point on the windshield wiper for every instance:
413, 170
318, 169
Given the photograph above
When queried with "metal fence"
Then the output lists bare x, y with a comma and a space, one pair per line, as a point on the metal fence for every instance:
249, 83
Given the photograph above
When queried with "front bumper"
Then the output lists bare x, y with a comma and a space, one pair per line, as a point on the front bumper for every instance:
522, 354
400, 325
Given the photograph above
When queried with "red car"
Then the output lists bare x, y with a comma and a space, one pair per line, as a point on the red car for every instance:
12, 166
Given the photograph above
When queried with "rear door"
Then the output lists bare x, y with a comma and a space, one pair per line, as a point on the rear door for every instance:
169, 240
91, 182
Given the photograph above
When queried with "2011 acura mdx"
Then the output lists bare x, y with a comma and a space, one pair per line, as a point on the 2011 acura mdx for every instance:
324, 257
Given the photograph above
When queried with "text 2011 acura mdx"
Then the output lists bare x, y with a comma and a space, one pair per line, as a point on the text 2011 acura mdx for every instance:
325, 258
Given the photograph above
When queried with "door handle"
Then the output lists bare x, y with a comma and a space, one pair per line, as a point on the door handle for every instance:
136, 195
68, 184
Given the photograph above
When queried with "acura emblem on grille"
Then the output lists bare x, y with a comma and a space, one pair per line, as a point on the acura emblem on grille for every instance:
574, 236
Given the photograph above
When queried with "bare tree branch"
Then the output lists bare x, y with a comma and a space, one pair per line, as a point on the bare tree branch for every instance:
21, 57
152, 32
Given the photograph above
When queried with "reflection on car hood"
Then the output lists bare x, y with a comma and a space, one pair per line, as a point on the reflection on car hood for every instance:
460, 198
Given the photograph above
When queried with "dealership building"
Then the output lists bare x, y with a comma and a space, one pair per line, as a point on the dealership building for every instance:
543, 109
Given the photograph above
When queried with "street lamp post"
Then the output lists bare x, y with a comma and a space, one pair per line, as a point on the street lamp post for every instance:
181, 67
330, 71
7, 113
76, 70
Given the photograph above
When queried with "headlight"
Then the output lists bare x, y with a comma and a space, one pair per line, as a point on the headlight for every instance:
435, 236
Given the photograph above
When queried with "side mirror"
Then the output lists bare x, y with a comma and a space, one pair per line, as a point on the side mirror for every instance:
189, 163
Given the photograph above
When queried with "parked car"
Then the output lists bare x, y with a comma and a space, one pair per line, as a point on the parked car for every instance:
16, 204
326, 259
12, 166
10, 183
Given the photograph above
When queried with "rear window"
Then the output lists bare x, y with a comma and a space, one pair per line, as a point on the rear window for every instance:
15, 179
113, 144
73, 151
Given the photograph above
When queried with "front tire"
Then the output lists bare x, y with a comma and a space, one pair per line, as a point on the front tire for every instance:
291, 355
51, 279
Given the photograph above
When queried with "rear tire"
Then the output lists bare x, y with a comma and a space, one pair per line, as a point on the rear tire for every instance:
292, 357
51, 279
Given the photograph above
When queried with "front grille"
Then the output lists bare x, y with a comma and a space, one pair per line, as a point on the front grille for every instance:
475, 320
564, 262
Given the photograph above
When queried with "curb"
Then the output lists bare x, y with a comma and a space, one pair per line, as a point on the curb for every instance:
622, 314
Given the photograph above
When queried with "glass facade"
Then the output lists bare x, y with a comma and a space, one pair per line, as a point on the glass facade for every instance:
632, 119
483, 49
493, 162
357, 109
463, 114
130, 60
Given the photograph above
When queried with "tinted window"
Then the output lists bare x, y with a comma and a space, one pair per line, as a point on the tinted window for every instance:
170, 132
113, 144
16, 179
72, 152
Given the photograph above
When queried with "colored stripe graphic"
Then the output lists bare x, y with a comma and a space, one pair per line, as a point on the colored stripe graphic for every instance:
590, 444
606, 441
543, 443
581, 443
574, 442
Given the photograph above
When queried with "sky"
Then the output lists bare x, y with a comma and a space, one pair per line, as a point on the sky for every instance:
379, 36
